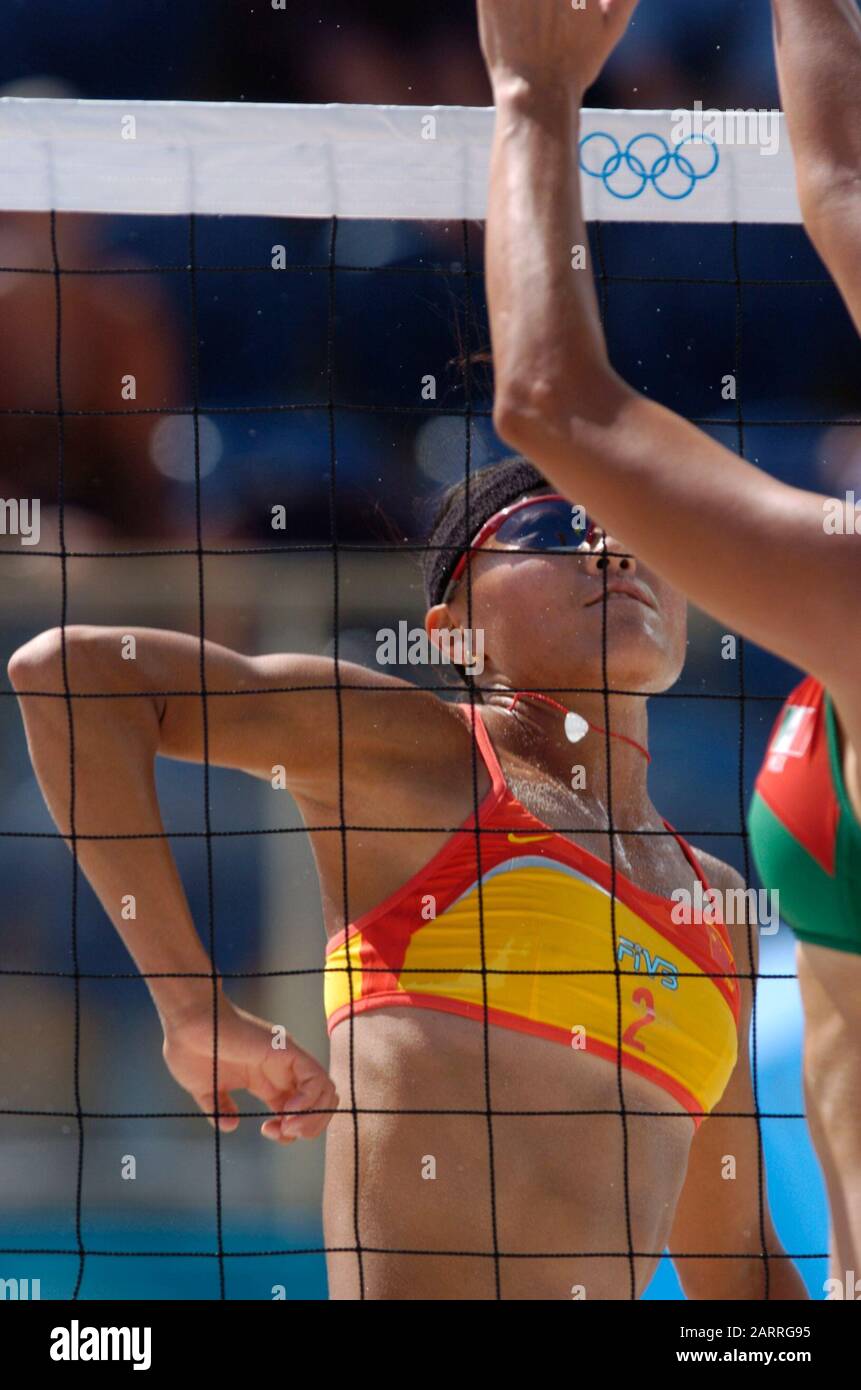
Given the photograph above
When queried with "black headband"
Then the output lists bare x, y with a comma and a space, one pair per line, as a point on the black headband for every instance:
490, 490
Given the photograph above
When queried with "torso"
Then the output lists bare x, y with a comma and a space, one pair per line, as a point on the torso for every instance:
559, 1186
806, 834
559, 1180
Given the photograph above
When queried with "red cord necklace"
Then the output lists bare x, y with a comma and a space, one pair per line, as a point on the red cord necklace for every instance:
576, 727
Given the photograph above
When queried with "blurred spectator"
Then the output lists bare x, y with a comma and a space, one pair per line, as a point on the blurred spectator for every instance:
383, 54
113, 327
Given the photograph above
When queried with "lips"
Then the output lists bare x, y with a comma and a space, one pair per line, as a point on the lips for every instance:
625, 588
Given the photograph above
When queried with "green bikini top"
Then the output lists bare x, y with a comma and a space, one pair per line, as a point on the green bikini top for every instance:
804, 832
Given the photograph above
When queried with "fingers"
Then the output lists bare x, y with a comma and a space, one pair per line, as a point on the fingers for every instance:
228, 1111
315, 1093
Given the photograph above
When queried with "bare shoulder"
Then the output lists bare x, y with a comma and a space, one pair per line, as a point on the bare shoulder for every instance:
719, 874
385, 737
385, 712
739, 912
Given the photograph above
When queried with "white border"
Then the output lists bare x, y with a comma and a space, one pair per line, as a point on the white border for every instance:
349, 161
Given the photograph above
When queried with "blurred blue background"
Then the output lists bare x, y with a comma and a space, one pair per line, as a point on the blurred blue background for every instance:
381, 51
130, 485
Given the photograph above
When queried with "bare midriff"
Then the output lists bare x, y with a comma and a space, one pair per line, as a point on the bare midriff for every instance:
565, 1217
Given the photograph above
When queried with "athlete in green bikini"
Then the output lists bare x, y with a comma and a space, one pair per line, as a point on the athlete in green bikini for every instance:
770, 569
803, 826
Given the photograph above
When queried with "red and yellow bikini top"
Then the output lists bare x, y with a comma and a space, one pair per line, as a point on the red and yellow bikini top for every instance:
543, 925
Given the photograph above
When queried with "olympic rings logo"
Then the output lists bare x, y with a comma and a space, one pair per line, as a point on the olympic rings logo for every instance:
626, 174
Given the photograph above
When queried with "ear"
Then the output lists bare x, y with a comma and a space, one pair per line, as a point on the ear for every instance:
440, 618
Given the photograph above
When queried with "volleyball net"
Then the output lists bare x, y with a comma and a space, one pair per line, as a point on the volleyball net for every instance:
315, 278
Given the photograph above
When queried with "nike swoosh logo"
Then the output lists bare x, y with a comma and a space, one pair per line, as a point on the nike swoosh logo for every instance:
527, 839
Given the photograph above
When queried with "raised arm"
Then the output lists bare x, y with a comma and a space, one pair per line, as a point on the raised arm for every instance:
116, 741
745, 547
818, 44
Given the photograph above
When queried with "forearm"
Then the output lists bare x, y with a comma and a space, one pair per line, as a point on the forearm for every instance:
819, 64
115, 742
741, 545
547, 335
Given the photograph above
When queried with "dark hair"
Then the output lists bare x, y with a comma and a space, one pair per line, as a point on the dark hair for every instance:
462, 512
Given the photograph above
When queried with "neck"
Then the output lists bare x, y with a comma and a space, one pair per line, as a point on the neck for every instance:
564, 732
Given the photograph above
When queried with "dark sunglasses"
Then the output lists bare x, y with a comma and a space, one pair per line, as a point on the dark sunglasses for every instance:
549, 523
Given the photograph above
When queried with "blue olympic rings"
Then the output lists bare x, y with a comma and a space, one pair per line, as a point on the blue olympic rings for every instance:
643, 176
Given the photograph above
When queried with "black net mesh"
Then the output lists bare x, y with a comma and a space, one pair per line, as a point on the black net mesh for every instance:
681, 308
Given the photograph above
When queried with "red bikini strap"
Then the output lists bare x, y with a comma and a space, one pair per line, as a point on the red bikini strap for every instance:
474, 716
689, 855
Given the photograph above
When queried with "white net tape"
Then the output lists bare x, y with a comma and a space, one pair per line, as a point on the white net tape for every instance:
375, 161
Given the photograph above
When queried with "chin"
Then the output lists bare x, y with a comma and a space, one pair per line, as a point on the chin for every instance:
652, 678
644, 667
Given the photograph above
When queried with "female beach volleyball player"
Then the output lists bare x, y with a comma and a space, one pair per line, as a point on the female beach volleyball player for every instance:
753, 552
642, 1165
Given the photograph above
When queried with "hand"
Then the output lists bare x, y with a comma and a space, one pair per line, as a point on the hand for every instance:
550, 38
285, 1078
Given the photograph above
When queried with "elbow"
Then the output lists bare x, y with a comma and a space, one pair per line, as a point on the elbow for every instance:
547, 420
515, 427
829, 195
33, 663
528, 420
38, 665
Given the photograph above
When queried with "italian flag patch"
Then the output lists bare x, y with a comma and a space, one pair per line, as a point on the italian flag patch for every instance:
793, 737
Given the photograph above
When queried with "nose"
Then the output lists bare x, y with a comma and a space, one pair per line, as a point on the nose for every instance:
604, 552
